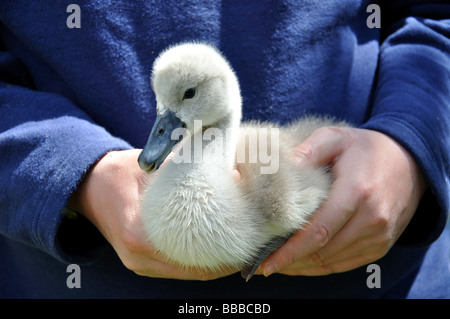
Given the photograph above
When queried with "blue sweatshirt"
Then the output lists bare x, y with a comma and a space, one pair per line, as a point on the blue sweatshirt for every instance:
70, 93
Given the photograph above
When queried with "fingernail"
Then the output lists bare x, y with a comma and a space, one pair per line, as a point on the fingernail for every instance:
270, 269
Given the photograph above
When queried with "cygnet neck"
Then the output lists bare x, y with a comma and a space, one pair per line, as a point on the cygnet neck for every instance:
216, 144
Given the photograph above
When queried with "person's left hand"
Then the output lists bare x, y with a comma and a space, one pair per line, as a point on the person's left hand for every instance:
109, 196
375, 193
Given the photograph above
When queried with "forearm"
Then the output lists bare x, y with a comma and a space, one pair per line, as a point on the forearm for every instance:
47, 145
412, 101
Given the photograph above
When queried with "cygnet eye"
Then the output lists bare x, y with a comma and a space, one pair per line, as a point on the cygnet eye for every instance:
189, 94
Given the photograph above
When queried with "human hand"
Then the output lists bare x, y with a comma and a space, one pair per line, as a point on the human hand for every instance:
375, 193
109, 198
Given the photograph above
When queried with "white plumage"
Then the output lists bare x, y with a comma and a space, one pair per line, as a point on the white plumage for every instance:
195, 212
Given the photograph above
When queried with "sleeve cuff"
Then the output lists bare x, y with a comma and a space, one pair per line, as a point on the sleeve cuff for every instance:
431, 216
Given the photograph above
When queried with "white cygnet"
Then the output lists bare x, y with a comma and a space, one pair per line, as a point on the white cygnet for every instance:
194, 211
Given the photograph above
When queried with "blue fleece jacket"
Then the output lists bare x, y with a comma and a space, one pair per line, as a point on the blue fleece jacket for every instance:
69, 95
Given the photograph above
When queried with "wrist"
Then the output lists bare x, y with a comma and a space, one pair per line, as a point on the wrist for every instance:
109, 193
78, 201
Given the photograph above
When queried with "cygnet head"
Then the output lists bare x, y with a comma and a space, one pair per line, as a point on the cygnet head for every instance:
195, 82
191, 81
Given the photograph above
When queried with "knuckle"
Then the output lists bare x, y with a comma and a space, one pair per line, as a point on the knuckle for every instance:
303, 151
317, 259
322, 236
320, 264
328, 130
380, 224
363, 191
290, 259
335, 132
285, 259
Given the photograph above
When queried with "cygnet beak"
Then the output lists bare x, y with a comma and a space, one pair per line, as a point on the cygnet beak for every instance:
160, 142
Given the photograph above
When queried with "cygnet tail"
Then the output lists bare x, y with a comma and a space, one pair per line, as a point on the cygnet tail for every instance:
249, 269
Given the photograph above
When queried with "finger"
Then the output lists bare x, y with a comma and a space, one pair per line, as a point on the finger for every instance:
361, 239
350, 241
334, 268
326, 259
322, 146
359, 253
326, 222
163, 269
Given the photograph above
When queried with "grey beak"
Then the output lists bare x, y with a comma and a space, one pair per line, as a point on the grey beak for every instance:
160, 143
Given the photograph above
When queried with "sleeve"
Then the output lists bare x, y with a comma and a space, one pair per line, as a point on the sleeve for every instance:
47, 144
412, 103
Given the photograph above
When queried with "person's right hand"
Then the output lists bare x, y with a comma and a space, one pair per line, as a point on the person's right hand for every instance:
109, 198
376, 190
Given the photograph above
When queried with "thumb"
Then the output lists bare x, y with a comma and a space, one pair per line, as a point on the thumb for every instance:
322, 147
